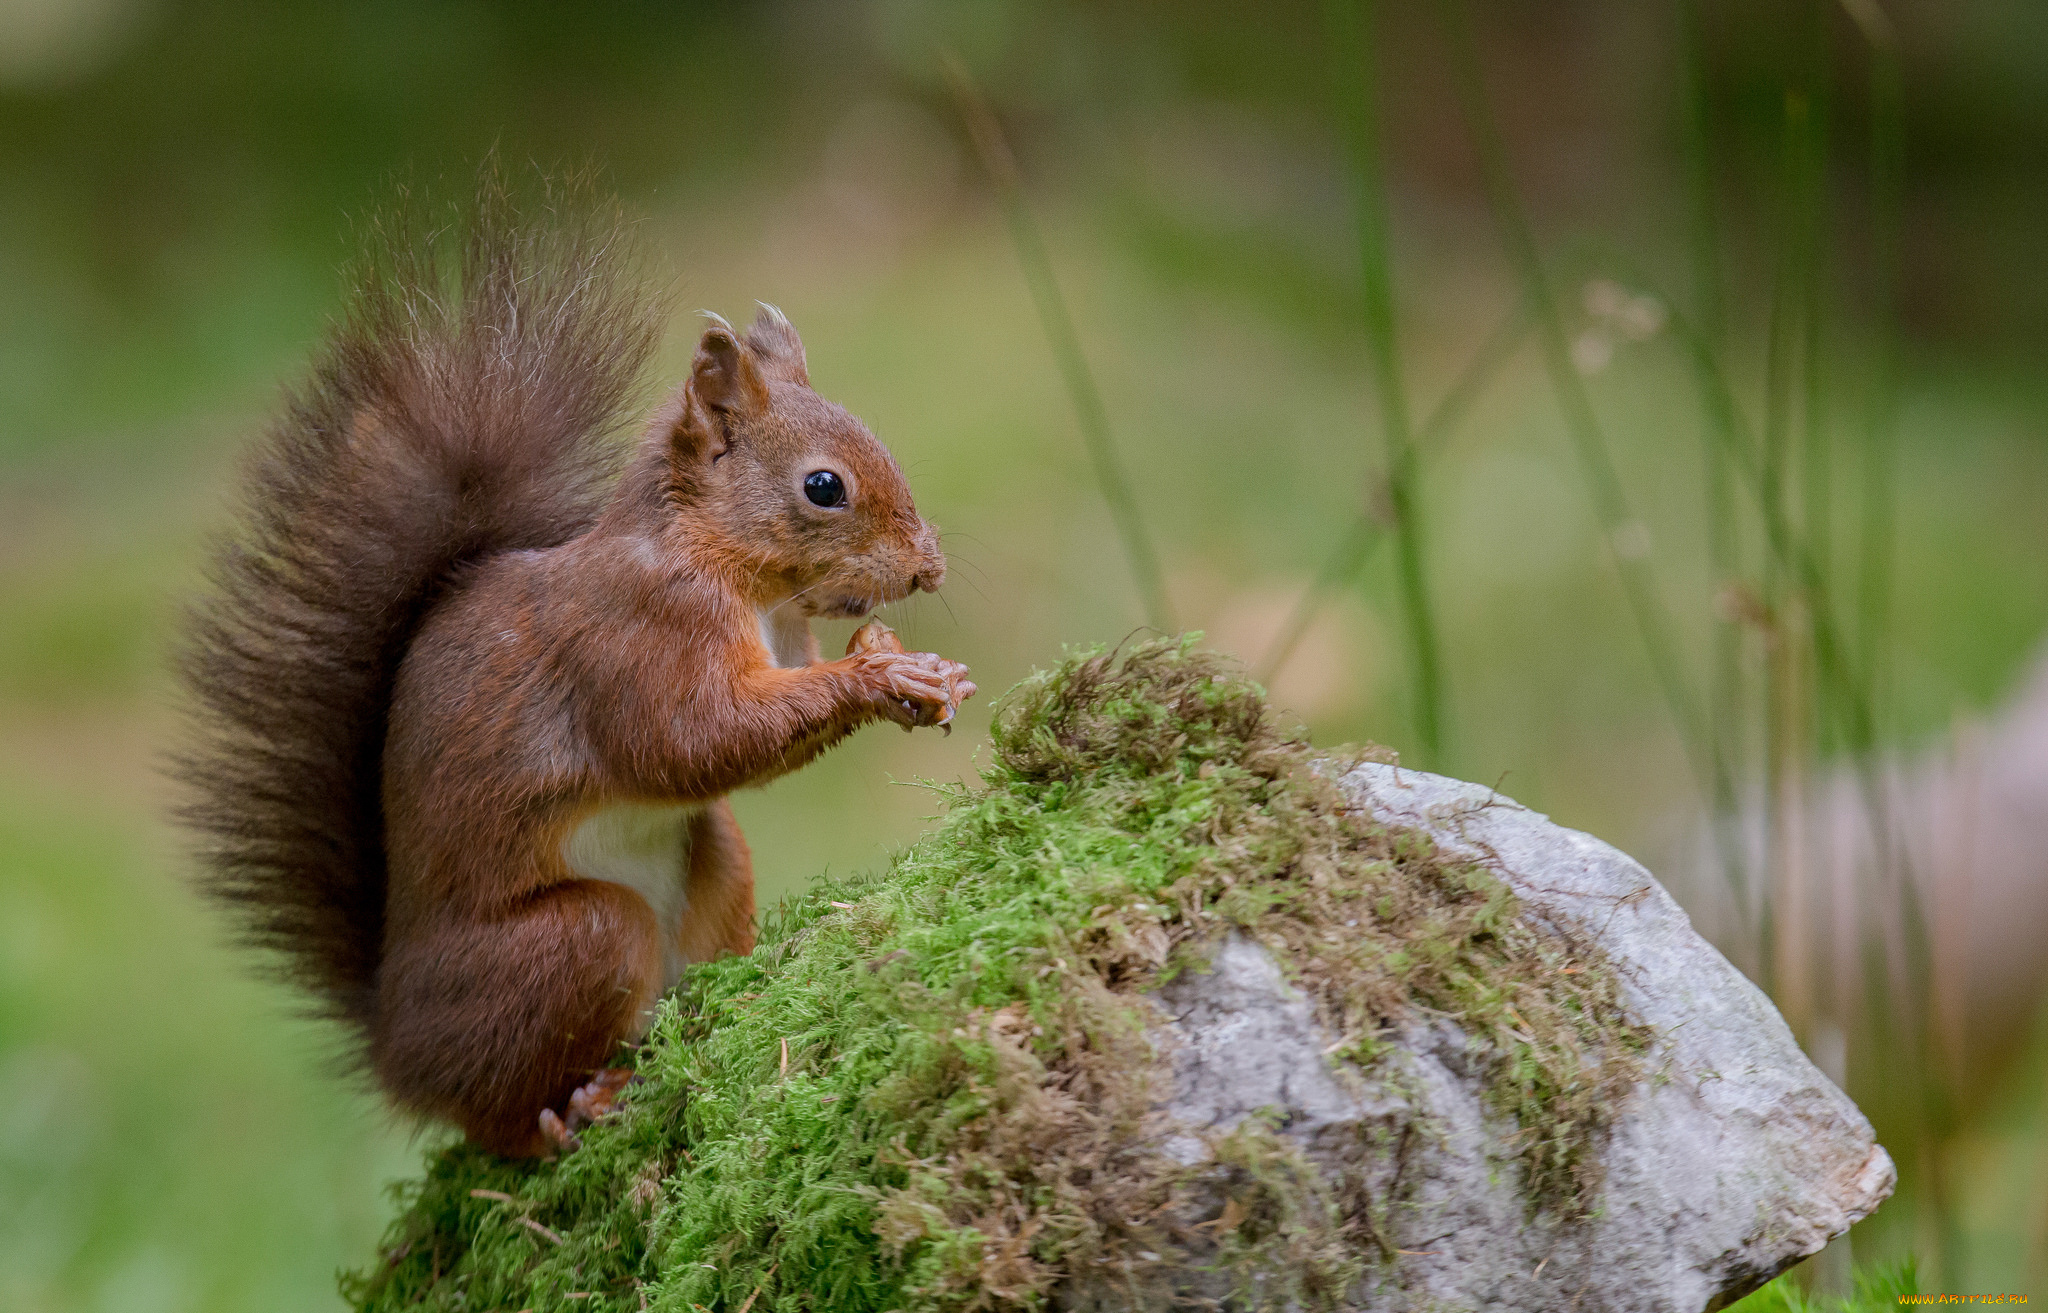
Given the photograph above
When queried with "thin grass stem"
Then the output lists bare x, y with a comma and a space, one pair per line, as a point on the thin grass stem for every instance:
1896, 994
1817, 477
1879, 515
1350, 24
1702, 228
1610, 501
1834, 659
1784, 735
1726, 694
1053, 316
1365, 533
1879, 510
1811, 719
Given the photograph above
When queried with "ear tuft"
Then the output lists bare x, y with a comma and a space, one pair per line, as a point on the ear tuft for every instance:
773, 342
724, 377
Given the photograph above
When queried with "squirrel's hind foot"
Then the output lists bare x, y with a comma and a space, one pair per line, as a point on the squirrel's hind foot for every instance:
592, 1100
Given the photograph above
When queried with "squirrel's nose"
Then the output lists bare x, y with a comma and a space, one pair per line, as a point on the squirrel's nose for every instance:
932, 570
931, 576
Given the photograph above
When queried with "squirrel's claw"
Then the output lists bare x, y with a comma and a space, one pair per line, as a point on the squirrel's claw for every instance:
557, 1133
596, 1097
592, 1100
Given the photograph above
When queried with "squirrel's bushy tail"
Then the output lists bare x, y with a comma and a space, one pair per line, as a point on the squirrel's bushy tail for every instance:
464, 405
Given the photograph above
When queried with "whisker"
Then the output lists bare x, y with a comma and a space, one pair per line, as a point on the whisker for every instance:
969, 562
791, 598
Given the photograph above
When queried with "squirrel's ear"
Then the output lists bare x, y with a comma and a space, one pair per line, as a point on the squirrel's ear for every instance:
691, 429
774, 343
724, 377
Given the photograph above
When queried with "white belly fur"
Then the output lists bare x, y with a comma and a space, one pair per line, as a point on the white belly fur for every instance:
645, 847
786, 633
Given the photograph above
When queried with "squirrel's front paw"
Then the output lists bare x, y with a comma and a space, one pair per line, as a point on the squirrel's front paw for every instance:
910, 688
875, 641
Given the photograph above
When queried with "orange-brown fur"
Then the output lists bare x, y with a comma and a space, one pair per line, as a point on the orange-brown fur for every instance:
411, 700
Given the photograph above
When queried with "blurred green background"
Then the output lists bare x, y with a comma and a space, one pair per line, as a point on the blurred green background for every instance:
177, 182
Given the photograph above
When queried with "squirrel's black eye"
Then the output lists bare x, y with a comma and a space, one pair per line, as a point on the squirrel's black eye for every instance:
825, 488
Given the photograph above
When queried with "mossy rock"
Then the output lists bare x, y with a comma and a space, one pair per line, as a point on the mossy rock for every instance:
952, 1085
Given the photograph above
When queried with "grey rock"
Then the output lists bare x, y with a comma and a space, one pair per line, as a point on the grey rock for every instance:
1734, 1161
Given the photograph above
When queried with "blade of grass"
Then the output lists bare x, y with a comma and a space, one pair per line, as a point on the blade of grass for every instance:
1350, 25
1853, 712
1849, 693
1879, 510
1897, 984
1785, 726
1817, 454
1809, 718
1703, 241
1365, 531
1851, 698
1726, 693
1053, 316
1610, 501
1874, 584
1834, 661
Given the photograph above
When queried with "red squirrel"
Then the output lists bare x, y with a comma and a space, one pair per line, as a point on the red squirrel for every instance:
469, 699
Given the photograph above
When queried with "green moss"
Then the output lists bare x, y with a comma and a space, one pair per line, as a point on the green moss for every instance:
924, 1089
1878, 1290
